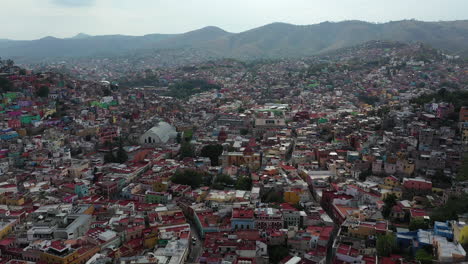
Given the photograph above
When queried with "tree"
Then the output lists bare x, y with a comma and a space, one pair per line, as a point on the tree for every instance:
364, 174
370, 100
188, 135
386, 244
5, 85
439, 180
416, 224
213, 152
455, 205
107, 92
463, 170
43, 91
122, 156
273, 197
277, 253
423, 256
186, 150
185, 89
244, 183
109, 157
188, 177
390, 201
244, 131
222, 180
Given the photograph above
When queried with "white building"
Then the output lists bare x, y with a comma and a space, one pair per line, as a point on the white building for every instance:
162, 133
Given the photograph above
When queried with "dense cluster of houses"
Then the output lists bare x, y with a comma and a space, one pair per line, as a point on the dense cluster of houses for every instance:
313, 151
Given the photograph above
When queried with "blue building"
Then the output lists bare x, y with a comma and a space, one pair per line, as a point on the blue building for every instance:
81, 190
242, 219
443, 229
415, 239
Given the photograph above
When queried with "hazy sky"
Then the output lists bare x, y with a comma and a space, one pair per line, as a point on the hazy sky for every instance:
32, 19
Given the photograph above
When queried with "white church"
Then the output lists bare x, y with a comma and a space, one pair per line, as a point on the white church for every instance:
162, 133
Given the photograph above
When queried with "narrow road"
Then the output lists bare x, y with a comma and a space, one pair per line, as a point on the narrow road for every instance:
196, 249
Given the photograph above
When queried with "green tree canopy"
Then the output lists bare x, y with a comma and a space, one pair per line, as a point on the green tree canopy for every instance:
213, 152
423, 256
121, 155
455, 205
223, 178
5, 85
277, 253
386, 244
273, 197
186, 150
109, 157
185, 89
463, 170
416, 224
43, 91
190, 177
389, 201
244, 183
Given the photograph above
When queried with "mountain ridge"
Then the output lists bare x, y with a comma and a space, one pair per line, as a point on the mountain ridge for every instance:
274, 40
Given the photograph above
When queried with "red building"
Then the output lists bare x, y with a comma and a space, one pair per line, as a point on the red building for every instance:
108, 188
14, 123
108, 134
417, 184
268, 218
463, 117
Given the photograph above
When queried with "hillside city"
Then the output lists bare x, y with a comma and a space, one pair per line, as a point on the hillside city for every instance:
353, 156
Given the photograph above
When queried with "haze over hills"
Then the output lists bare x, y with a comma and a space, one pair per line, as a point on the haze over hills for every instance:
269, 41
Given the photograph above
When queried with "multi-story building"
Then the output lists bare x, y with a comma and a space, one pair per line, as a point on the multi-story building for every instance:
242, 219
157, 197
268, 218
247, 158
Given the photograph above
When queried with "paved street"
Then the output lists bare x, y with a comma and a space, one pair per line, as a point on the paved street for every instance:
197, 248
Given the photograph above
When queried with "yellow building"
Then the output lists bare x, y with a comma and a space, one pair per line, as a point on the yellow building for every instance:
6, 227
60, 253
366, 229
460, 232
392, 181
150, 240
77, 168
385, 193
251, 160
292, 196
89, 210
60, 257
14, 200
160, 185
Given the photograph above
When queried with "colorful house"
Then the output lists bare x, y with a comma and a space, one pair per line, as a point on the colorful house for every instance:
157, 197
81, 190
242, 218
460, 232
